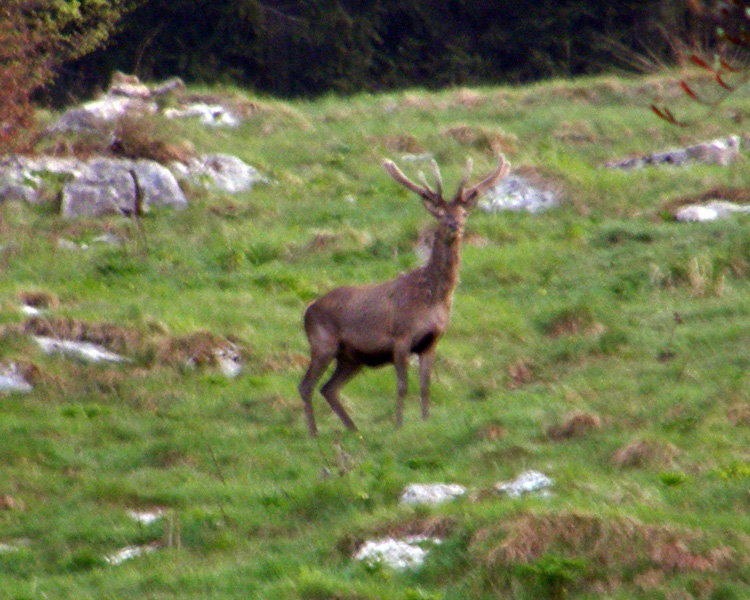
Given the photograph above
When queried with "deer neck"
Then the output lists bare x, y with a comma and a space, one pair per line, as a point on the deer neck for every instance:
441, 270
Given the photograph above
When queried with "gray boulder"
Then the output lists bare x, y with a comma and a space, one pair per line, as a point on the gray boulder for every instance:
112, 186
222, 172
105, 187
157, 186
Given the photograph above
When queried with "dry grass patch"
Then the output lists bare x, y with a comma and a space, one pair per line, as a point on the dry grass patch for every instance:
198, 349
484, 139
577, 425
38, 299
521, 372
598, 548
571, 322
735, 195
139, 137
114, 337
436, 527
578, 132
404, 142
284, 361
645, 453
739, 414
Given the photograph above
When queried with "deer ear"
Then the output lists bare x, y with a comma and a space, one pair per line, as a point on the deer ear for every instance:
432, 208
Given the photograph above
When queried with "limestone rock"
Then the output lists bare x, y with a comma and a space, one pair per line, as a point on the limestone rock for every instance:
436, 493
105, 187
528, 481
516, 193
12, 380
398, 554
84, 351
711, 211
222, 172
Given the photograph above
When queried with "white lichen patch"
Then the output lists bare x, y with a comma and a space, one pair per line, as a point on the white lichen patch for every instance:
146, 517
431, 493
81, 350
528, 481
129, 552
398, 554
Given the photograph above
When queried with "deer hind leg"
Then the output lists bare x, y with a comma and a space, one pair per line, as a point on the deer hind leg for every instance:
345, 370
401, 363
426, 360
318, 364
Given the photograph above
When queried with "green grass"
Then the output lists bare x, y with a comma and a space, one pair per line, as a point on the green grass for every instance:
583, 298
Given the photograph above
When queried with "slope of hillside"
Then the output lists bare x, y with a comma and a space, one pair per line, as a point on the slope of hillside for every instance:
601, 343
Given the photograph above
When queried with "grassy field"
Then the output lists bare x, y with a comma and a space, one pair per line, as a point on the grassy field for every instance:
600, 343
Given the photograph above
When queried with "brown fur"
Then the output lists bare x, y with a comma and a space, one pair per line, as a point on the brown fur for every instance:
377, 324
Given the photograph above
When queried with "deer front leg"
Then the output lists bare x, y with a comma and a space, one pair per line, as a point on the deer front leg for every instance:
401, 363
426, 360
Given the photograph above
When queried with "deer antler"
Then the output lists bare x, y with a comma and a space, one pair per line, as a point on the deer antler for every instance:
471, 195
465, 178
432, 199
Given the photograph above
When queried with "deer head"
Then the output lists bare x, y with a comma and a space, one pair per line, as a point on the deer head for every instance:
451, 214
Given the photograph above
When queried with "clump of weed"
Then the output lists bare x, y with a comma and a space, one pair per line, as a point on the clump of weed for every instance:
645, 453
576, 425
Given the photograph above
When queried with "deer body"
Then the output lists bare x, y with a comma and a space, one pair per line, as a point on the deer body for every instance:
377, 324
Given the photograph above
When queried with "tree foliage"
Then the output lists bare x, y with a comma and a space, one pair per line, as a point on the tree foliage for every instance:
36, 38
293, 48
724, 55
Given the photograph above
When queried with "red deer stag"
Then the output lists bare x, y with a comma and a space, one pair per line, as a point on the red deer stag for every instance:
385, 323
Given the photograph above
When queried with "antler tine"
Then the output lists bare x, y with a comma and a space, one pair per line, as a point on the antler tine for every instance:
423, 190
438, 177
423, 181
465, 178
503, 167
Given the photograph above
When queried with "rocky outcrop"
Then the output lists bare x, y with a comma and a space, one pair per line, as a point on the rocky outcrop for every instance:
722, 151
127, 95
121, 186
518, 194
96, 187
